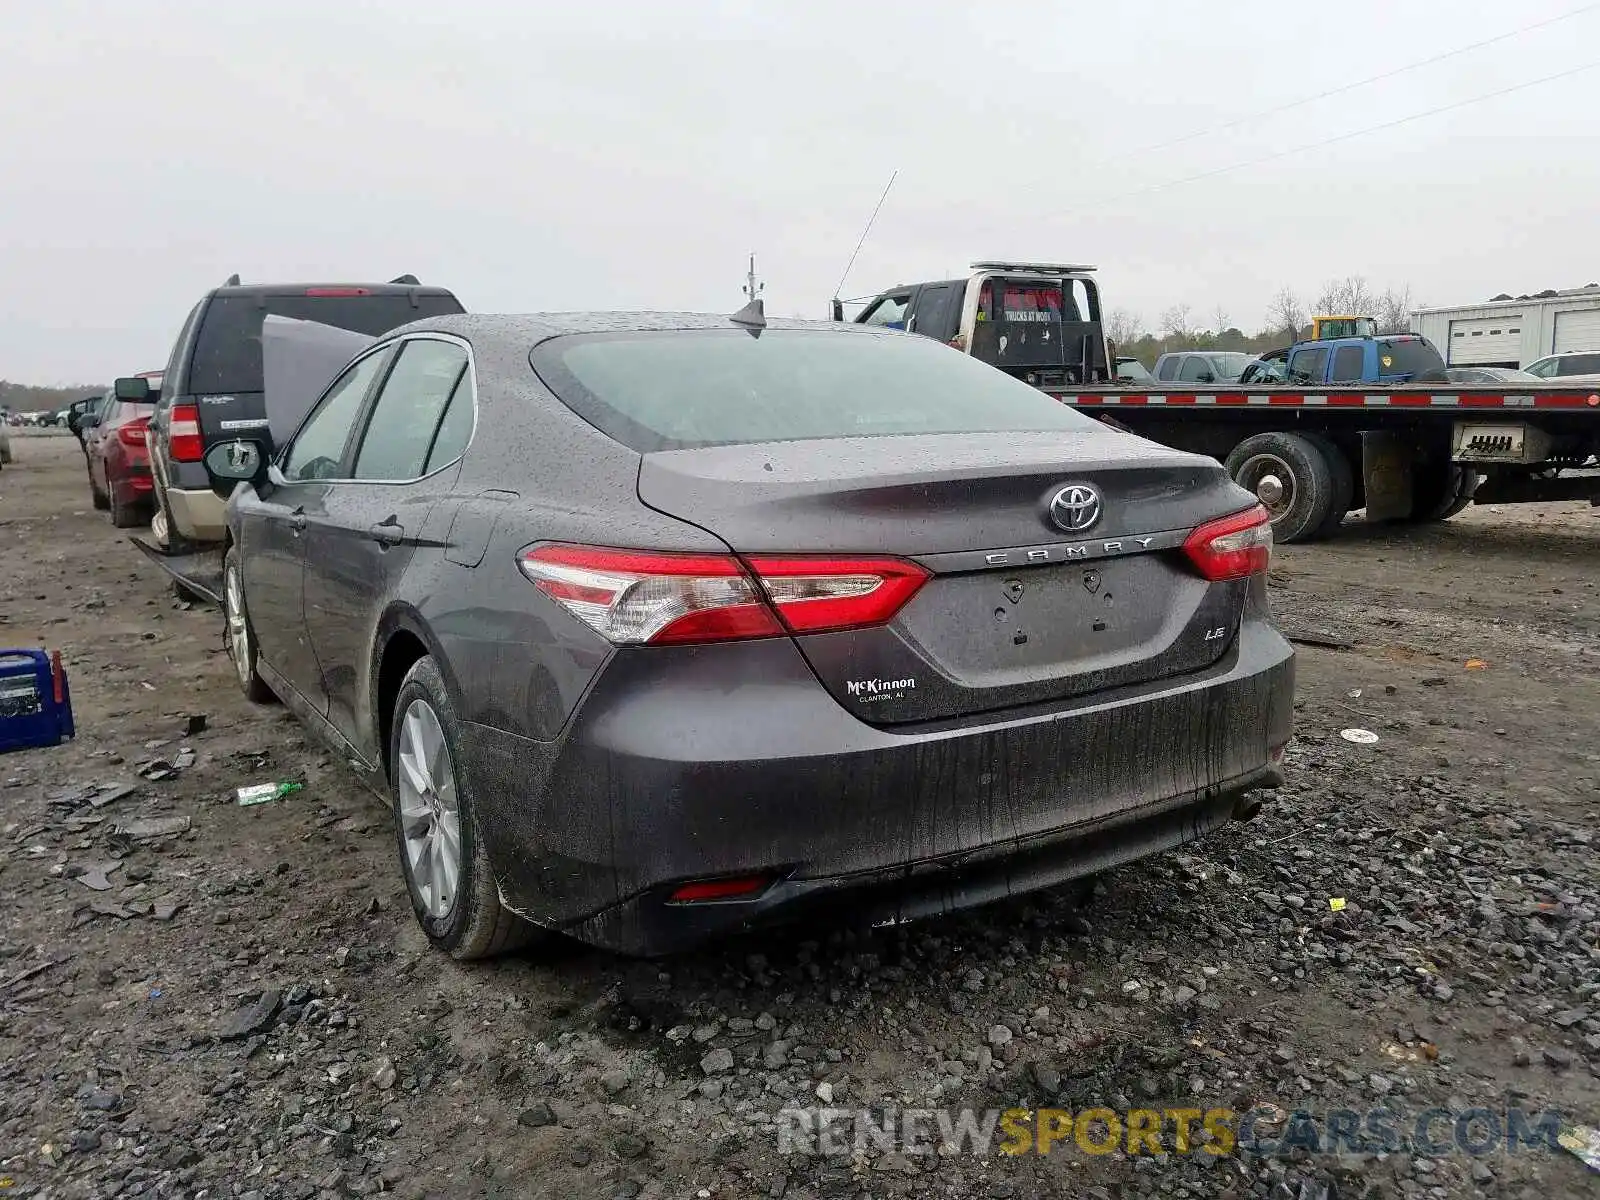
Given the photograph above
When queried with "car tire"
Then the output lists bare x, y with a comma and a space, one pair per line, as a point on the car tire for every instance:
436, 831
239, 633
124, 516
100, 500
1304, 496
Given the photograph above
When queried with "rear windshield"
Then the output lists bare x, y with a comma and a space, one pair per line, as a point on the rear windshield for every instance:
1579, 364
227, 354
715, 387
1005, 300
1407, 356
1231, 364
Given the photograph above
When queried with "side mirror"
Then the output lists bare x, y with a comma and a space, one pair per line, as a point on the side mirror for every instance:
1206, 377
230, 463
132, 388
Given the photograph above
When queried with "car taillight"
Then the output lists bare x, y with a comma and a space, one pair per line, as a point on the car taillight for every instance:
1232, 547
817, 594
632, 597
183, 434
132, 434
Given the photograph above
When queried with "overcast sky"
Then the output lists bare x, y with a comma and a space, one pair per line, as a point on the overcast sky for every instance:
630, 155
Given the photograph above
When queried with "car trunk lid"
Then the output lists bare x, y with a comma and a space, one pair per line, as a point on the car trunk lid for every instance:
1018, 609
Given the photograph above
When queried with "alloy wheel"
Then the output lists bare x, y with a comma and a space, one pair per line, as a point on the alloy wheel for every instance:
238, 625
430, 816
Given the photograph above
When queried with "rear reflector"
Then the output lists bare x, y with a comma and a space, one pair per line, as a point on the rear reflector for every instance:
1232, 547
183, 434
720, 889
631, 597
338, 291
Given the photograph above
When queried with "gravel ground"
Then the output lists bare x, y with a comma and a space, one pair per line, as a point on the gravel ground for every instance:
198, 999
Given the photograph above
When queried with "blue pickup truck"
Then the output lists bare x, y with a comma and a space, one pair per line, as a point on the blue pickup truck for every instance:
1397, 358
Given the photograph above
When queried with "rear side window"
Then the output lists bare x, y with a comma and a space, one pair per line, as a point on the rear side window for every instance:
1407, 356
1347, 364
936, 311
1167, 369
1578, 364
227, 354
406, 417
455, 430
715, 387
174, 373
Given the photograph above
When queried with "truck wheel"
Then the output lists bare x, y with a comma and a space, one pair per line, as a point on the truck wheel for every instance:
1440, 490
1292, 476
1470, 480
1344, 484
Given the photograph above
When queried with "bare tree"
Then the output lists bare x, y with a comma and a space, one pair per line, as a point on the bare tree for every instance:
1177, 323
1393, 310
1348, 296
1123, 326
1285, 313
1219, 319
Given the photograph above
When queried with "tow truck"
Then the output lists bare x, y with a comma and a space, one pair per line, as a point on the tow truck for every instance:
1407, 452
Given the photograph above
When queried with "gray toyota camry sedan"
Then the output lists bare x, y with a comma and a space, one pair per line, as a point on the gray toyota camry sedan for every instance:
653, 628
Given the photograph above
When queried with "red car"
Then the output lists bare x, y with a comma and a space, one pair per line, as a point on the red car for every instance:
119, 465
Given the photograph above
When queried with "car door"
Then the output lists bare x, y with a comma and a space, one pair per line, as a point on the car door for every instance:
361, 531
889, 312
936, 311
94, 439
1349, 364
1308, 365
272, 526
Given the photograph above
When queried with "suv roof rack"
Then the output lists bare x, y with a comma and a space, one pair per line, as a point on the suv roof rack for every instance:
410, 280
1043, 268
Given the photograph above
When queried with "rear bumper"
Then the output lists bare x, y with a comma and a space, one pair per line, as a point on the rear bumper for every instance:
134, 487
669, 772
199, 516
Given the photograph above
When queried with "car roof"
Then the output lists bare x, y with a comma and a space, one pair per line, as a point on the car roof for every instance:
532, 328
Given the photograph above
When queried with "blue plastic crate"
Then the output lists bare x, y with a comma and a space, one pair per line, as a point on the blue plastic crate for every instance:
35, 702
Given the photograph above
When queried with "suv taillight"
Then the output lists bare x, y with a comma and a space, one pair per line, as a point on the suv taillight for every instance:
184, 442
633, 597
1232, 547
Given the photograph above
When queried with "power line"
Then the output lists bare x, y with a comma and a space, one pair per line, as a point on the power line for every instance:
1350, 87
1345, 137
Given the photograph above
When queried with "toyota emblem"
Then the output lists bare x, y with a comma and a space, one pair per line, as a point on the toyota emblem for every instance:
1075, 508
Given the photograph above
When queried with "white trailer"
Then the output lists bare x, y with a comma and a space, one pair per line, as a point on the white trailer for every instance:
1513, 333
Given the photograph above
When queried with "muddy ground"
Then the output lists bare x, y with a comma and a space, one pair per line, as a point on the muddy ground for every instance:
246, 1007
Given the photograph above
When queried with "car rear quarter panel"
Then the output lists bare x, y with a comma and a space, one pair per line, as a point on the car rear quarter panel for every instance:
517, 664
